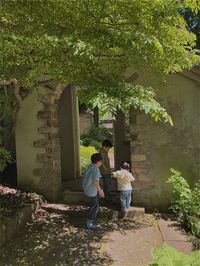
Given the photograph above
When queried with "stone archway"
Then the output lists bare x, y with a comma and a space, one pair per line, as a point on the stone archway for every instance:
40, 139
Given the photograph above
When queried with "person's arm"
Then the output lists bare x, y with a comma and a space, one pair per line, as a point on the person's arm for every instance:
132, 178
100, 191
114, 174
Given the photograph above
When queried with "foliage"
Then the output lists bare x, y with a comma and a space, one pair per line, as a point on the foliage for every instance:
85, 156
193, 23
95, 136
187, 202
96, 144
140, 98
85, 141
5, 157
100, 133
7, 108
92, 43
169, 256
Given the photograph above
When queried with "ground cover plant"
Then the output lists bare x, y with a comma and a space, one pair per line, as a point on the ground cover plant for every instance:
169, 256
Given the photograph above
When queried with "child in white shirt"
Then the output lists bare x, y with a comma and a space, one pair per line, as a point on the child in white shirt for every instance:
124, 179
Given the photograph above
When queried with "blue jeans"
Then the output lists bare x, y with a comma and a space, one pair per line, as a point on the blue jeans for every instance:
106, 186
93, 208
125, 199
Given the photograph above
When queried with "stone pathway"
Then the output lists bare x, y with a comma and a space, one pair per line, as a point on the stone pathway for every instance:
56, 236
134, 247
131, 247
174, 236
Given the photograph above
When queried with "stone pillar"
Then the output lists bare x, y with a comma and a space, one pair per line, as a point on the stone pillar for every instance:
121, 145
69, 134
50, 170
39, 139
139, 163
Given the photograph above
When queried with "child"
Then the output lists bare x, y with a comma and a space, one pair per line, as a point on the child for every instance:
105, 168
124, 179
92, 188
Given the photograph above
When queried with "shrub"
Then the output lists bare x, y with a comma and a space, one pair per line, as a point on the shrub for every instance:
95, 136
86, 141
5, 157
85, 156
187, 202
96, 144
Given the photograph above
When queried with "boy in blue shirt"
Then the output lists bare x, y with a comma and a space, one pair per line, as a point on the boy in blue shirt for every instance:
92, 188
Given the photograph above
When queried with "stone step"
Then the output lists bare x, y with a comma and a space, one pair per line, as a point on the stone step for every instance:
78, 197
77, 210
129, 214
74, 196
76, 184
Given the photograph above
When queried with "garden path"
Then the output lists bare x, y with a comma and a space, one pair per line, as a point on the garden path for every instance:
57, 236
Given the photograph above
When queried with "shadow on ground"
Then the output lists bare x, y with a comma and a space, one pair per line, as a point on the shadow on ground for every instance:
54, 238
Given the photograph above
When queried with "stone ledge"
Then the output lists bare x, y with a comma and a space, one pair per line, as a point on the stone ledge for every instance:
9, 226
130, 214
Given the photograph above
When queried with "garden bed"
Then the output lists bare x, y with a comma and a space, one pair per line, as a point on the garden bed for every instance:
16, 209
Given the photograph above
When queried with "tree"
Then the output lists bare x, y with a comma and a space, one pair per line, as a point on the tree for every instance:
91, 43
193, 23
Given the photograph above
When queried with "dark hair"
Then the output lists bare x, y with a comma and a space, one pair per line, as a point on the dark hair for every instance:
107, 143
125, 165
96, 157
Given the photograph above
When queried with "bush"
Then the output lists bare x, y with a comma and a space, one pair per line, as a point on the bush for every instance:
96, 144
95, 136
100, 133
86, 141
85, 156
187, 202
5, 158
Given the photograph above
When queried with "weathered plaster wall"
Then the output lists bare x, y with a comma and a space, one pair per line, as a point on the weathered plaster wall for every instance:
156, 147
38, 143
26, 131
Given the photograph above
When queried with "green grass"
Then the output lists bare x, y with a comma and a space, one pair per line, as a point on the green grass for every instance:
85, 156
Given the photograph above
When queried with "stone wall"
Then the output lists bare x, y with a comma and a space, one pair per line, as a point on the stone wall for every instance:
85, 121
50, 170
157, 147
10, 225
39, 140
38, 143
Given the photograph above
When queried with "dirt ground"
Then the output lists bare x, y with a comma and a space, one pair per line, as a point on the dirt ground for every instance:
54, 238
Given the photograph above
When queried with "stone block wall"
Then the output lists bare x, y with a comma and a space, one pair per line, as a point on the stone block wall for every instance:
85, 121
50, 170
9, 226
38, 142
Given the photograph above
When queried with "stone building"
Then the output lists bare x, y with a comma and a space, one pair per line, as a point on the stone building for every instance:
47, 139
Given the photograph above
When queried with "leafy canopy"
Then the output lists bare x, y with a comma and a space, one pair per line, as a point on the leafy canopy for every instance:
91, 43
